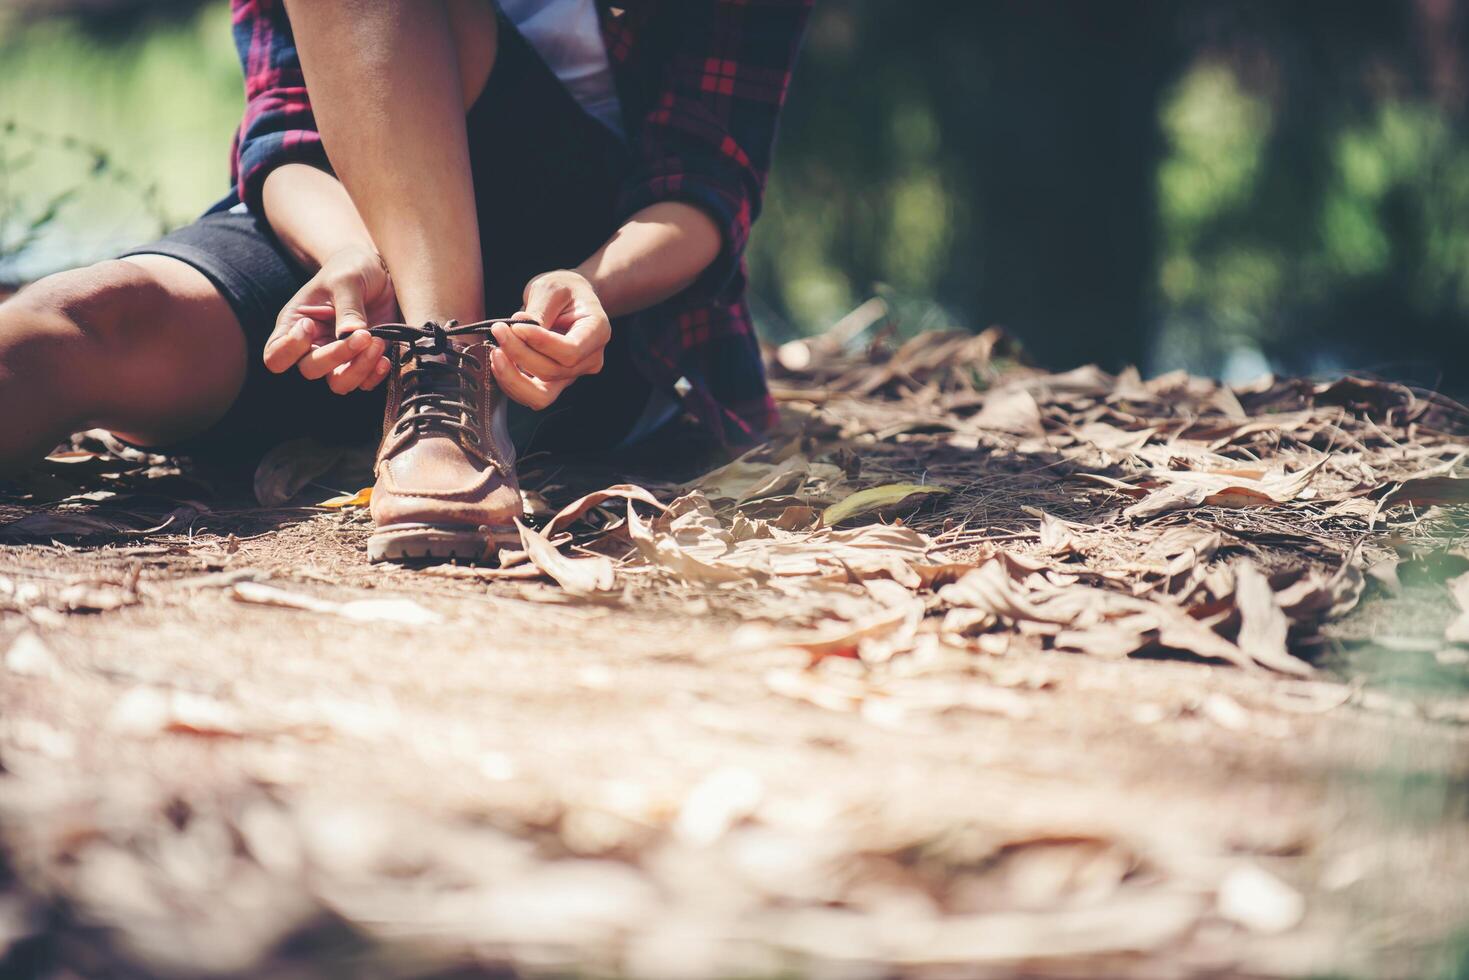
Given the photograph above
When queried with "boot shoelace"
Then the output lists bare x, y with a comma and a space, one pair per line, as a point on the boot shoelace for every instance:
443, 389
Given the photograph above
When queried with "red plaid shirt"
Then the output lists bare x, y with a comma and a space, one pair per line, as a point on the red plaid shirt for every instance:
702, 83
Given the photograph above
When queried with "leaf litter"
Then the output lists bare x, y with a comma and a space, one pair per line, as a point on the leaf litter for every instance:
938, 549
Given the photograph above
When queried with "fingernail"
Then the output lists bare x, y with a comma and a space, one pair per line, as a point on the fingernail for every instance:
358, 339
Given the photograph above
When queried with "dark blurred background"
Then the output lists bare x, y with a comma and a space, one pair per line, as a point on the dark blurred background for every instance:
1231, 187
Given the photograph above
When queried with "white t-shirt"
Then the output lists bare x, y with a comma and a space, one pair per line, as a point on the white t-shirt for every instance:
568, 36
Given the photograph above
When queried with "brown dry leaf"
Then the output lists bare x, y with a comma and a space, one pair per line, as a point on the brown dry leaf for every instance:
1056, 536
664, 551
1318, 597
523, 570
797, 517
1010, 409
865, 552
1087, 381
1263, 624
875, 637
1113, 640
1043, 873
1428, 491
48, 524
579, 576
990, 589
750, 479
578, 509
1186, 489
1180, 631
1121, 622
404, 612
1111, 440
288, 468
691, 541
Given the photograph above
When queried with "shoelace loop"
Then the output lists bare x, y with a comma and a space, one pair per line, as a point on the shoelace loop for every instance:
442, 390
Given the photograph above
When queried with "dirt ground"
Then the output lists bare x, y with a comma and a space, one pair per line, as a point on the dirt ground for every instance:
231, 747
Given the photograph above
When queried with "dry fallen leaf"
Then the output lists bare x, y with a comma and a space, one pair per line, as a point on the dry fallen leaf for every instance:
1186, 489
361, 498
1428, 491
49, 524
405, 612
750, 479
1263, 624
1010, 409
579, 576
578, 509
876, 498
287, 469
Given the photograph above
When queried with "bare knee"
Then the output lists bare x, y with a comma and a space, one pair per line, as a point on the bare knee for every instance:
83, 313
476, 29
57, 337
120, 344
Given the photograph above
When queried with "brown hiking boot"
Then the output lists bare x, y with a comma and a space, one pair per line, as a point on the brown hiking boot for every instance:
446, 485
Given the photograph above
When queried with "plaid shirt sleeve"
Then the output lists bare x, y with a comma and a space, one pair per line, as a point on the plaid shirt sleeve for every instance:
708, 137
279, 127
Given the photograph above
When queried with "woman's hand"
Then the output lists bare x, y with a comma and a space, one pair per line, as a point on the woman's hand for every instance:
535, 364
322, 329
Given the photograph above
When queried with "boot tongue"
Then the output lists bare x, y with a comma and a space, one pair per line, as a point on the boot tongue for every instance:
443, 352
436, 367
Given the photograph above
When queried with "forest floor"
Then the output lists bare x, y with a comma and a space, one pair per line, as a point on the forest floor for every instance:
972, 671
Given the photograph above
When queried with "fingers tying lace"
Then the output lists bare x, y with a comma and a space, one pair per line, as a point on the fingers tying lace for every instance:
442, 392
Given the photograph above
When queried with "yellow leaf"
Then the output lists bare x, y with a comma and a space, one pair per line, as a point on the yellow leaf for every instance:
361, 498
875, 498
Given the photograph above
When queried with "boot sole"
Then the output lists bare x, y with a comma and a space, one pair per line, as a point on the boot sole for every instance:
428, 542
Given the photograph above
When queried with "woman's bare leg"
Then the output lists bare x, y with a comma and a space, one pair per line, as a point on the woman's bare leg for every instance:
144, 346
389, 82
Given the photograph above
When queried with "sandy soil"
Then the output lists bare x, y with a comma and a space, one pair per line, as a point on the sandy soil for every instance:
499, 778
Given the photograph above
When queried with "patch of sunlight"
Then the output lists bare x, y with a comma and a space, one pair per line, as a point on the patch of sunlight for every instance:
820, 296
161, 100
1405, 163
915, 131
914, 249
793, 255
1246, 281
1355, 242
1216, 132
1180, 278
1362, 162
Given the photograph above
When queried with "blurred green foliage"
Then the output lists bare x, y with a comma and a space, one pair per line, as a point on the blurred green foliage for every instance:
1220, 186
130, 120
